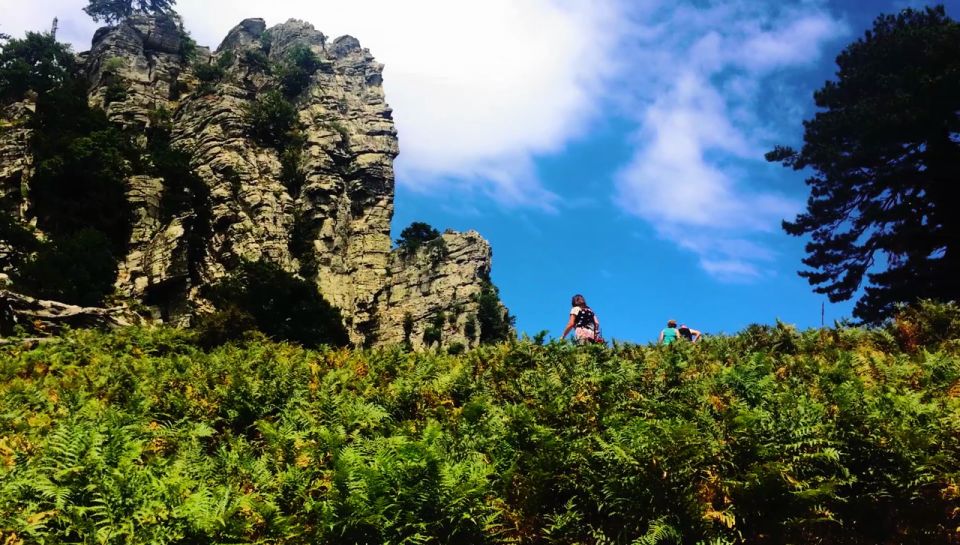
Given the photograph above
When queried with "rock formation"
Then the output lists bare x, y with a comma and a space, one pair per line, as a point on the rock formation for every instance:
48, 317
333, 227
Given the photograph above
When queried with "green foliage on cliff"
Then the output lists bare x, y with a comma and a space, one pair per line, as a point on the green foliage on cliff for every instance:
418, 235
208, 72
282, 306
16, 235
495, 322
80, 162
844, 436
114, 11
79, 182
35, 63
297, 70
273, 120
184, 193
78, 268
433, 333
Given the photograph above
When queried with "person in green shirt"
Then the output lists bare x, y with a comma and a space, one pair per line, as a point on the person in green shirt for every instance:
669, 334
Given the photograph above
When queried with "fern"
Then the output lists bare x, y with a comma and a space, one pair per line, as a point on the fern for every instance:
843, 435
659, 532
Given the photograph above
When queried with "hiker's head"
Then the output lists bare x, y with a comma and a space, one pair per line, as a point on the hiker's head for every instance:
578, 301
671, 323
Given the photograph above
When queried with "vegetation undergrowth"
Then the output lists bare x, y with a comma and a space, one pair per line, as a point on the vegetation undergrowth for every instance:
844, 435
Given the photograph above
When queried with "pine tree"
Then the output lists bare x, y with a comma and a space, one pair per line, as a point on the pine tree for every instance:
35, 63
113, 11
885, 152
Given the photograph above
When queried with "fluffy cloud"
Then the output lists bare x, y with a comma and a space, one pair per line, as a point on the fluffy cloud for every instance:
478, 88
702, 128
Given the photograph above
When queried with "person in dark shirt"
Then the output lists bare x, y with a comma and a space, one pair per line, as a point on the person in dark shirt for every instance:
689, 334
583, 320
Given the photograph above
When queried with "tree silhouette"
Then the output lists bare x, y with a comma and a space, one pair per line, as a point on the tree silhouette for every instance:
885, 152
113, 11
35, 63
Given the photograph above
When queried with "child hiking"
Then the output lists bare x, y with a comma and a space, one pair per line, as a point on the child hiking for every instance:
583, 320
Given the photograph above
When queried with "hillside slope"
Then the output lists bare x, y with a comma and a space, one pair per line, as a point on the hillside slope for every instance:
770, 436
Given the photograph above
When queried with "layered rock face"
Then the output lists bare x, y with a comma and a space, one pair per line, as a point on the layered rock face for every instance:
333, 228
16, 168
423, 286
16, 164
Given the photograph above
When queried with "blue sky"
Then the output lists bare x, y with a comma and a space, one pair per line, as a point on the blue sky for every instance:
607, 147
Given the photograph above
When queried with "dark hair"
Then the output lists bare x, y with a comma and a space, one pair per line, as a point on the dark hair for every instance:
578, 301
671, 323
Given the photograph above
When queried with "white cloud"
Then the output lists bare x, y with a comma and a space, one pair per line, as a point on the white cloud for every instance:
701, 130
478, 88
481, 89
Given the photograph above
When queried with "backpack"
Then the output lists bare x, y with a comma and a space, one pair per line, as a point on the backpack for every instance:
585, 319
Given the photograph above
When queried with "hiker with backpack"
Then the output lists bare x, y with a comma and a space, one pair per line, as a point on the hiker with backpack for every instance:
584, 321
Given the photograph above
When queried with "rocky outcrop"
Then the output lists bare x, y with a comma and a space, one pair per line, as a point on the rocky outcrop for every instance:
16, 161
37, 316
430, 288
332, 226
134, 68
16, 168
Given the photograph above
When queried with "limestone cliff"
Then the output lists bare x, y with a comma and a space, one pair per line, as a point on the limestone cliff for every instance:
333, 227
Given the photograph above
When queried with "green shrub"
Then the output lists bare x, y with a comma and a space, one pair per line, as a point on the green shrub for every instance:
416, 235
188, 47
15, 234
77, 269
208, 72
228, 325
494, 321
116, 91
433, 333
184, 195
36, 62
407, 329
114, 11
212, 73
282, 305
302, 238
256, 59
82, 163
114, 65
226, 60
177, 89
297, 70
292, 174
470, 328
273, 120
925, 323
266, 41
